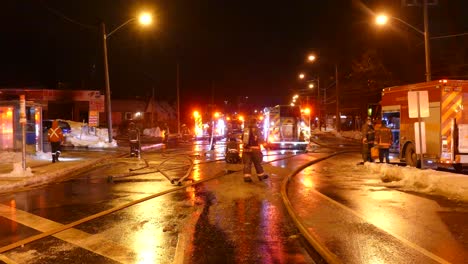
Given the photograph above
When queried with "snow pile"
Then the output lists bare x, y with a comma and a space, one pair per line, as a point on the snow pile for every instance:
15, 158
348, 134
83, 136
450, 185
18, 171
152, 132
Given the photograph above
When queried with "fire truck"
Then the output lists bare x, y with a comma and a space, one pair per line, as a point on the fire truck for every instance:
446, 127
282, 128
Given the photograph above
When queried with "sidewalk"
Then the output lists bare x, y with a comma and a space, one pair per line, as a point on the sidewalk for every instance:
40, 168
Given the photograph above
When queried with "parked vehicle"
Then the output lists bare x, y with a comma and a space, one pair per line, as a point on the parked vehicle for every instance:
446, 126
282, 128
46, 124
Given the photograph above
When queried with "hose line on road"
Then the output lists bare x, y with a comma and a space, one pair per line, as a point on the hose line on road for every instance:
115, 209
321, 249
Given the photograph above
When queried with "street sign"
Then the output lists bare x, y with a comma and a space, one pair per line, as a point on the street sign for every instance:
93, 119
22, 109
97, 104
418, 102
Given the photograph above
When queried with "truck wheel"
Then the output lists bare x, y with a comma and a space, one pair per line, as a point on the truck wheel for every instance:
410, 156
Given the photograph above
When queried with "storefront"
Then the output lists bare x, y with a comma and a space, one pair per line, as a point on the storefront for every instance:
11, 133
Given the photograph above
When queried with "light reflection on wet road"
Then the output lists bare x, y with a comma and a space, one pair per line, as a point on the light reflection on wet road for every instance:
228, 221
381, 225
241, 223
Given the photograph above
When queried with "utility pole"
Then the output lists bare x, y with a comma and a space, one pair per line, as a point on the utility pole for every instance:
178, 101
338, 115
106, 79
319, 123
426, 43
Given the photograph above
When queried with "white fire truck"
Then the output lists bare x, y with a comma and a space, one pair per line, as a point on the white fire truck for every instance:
446, 127
282, 128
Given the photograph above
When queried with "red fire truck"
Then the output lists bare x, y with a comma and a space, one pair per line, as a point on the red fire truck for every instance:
446, 127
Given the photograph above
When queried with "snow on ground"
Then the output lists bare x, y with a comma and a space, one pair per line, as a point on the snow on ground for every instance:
83, 136
428, 181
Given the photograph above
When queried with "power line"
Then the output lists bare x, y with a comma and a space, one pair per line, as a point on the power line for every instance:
449, 36
64, 17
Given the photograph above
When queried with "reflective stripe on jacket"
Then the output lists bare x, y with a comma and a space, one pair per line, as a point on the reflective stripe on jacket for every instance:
55, 134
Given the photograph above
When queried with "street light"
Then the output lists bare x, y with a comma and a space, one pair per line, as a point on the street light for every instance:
144, 19
312, 58
383, 19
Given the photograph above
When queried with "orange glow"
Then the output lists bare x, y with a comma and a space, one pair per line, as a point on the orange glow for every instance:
217, 114
443, 81
307, 111
196, 114
308, 182
381, 19
241, 118
260, 118
228, 118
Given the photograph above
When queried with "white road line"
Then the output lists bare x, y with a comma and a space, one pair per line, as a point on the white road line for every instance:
402, 239
94, 243
7, 260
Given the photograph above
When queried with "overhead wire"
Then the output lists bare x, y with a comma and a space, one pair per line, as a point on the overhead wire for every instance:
64, 17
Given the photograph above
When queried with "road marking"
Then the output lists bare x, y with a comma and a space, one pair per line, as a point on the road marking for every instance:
94, 243
7, 260
402, 239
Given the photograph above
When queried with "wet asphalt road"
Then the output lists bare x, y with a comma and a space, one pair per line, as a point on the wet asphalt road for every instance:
221, 221
225, 220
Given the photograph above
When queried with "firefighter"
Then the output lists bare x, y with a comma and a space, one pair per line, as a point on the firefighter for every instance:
232, 150
134, 140
55, 136
367, 140
384, 139
251, 139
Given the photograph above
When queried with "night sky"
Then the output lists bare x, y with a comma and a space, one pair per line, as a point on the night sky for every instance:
225, 49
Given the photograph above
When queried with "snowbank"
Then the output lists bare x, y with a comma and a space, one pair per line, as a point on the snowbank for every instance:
83, 136
451, 185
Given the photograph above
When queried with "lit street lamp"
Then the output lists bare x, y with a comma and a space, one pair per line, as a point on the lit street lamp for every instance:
144, 19
383, 19
312, 58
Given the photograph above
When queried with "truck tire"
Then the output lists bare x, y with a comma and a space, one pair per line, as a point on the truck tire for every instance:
410, 156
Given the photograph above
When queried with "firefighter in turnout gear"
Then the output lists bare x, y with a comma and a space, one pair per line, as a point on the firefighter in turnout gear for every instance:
134, 140
367, 140
384, 139
251, 139
55, 136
